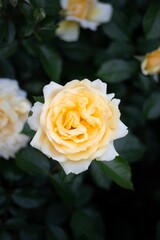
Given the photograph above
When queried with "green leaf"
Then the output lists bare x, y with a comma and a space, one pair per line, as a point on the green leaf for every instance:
51, 62
56, 233
151, 21
117, 70
39, 99
33, 162
130, 148
7, 50
151, 107
99, 177
118, 170
28, 198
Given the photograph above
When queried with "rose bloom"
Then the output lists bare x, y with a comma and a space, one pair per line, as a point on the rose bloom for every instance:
151, 63
14, 109
85, 13
76, 124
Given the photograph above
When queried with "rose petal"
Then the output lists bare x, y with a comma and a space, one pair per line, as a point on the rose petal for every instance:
98, 84
109, 154
68, 31
41, 142
51, 90
101, 13
33, 120
121, 130
75, 167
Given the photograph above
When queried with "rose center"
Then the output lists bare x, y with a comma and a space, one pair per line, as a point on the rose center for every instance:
79, 8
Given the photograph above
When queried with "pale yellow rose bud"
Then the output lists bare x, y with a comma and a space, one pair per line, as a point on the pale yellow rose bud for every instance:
77, 123
14, 109
151, 63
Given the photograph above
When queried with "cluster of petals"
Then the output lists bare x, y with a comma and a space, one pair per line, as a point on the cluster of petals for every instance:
77, 123
82, 13
14, 109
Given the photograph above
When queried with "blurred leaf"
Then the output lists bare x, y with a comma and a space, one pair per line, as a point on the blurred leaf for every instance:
2, 195
6, 69
31, 233
51, 62
29, 29
46, 29
10, 171
68, 190
52, 8
3, 28
151, 21
117, 70
5, 235
28, 198
27, 10
11, 32
117, 29
33, 162
130, 115
118, 170
15, 223
7, 49
39, 14
130, 148
14, 2
78, 51
38, 3
151, 107
100, 177
85, 222
56, 214
56, 233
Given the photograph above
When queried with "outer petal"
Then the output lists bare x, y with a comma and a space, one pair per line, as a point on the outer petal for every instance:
41, 142
121, 130
75, 167
33, 121
51, 90
109, 154
83, 22
68, 31
101, 13
98, 84
64, 3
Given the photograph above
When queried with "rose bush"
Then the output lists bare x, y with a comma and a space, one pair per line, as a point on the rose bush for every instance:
14, 108
77, 123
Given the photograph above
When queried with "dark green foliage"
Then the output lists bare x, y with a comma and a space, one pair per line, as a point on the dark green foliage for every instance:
37, 200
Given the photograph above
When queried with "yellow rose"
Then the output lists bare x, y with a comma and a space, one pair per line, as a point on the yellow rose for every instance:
85, 13
76, 124
151, 63
14, 108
